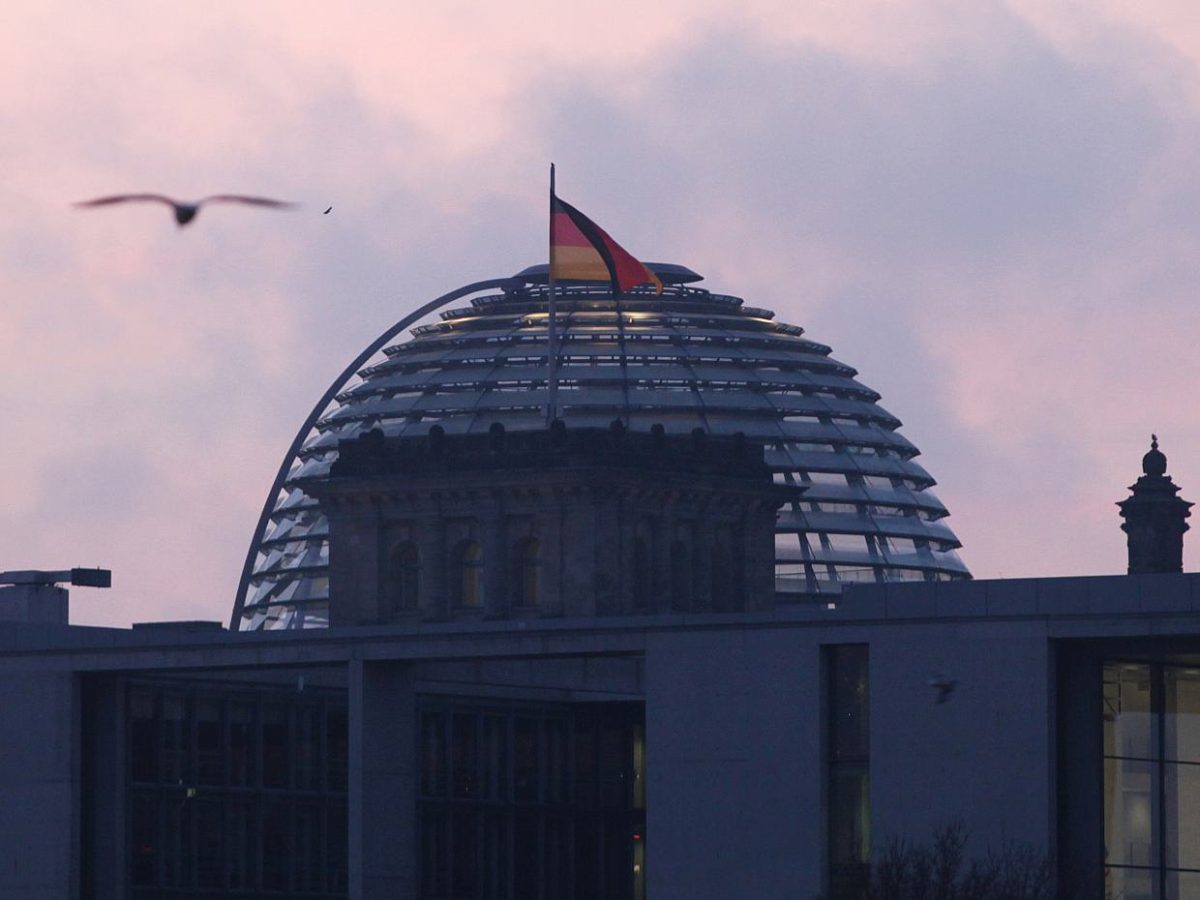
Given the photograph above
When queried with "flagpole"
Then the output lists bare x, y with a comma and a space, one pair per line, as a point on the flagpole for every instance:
552, 325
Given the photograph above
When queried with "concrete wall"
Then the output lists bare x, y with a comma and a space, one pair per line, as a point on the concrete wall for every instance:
984, 757
39, 820
733, 790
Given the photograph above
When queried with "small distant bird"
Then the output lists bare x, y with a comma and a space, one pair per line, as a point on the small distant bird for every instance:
328, 211
943, 685
185, 211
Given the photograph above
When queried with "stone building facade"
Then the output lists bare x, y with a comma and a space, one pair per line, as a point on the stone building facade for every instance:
577, 523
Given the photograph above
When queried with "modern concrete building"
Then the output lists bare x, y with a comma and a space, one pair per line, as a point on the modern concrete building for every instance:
562, 662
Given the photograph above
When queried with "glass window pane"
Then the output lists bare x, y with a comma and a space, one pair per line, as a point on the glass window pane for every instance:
1182, 786
1131, 884
1130, 796
1128, 724
1183, 885
1182, 720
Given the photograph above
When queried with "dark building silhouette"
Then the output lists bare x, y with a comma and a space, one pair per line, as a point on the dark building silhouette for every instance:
1155, 518
558, 522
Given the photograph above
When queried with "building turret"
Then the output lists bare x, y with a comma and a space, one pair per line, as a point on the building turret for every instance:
1154, 518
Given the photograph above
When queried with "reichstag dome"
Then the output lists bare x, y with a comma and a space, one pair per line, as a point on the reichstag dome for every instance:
687, 358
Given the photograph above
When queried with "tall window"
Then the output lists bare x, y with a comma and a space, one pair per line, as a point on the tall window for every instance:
1151, 780
468, 564
681, 577
526, 572
403, 584
848, 743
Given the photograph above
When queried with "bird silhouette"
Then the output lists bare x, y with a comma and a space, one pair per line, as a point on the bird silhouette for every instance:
943, 685
184, 211
328, 211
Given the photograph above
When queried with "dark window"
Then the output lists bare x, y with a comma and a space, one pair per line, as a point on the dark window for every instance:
235, 791
681, 577
848, 751
531, 803
403, 577
467, 564
526, 572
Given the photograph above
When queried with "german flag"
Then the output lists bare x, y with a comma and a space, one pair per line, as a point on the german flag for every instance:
581, 251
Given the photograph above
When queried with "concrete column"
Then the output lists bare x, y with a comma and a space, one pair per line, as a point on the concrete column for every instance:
39, 786
383, 782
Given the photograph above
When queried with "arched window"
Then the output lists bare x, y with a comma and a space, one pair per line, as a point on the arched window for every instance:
526, 572
468, 573
403, 581
681, 577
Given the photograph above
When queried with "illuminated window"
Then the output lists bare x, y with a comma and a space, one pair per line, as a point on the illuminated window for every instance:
1151, 780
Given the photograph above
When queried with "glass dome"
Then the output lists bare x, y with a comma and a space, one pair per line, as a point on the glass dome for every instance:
688, 358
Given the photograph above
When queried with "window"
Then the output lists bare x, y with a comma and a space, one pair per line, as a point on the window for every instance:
403, 577
536, 802
642, 575
216, 807
526, 572
848, 757
1151, 780
681, 577
468, 572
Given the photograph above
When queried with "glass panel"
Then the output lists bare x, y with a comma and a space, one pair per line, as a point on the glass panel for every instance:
1182, 787
850, 717
463, 757
464, 858
210, 744
493, 759
1130, 796
525, 761
275, 746
1183, 885
433, 775
242, 753
1131, 884
144, 835
143, 738
1128, 724
1182, 720
849, 816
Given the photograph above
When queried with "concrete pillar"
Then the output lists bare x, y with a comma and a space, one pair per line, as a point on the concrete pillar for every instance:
39, 786
383, 782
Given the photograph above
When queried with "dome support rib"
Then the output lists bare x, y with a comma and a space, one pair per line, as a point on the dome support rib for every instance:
322, 404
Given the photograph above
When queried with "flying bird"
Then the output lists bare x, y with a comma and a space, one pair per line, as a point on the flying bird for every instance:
943, 685
328, 211
185, 211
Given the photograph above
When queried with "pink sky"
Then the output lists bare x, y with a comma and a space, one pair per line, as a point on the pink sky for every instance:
992, 210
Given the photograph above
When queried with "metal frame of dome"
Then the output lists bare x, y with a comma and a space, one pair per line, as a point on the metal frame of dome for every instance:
688, 358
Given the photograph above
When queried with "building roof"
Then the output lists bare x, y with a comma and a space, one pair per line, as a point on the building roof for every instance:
688, 359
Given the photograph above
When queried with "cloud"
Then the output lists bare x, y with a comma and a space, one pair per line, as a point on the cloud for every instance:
986, 208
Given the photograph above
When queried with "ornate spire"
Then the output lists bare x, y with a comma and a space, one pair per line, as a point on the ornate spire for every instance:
1154, 518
